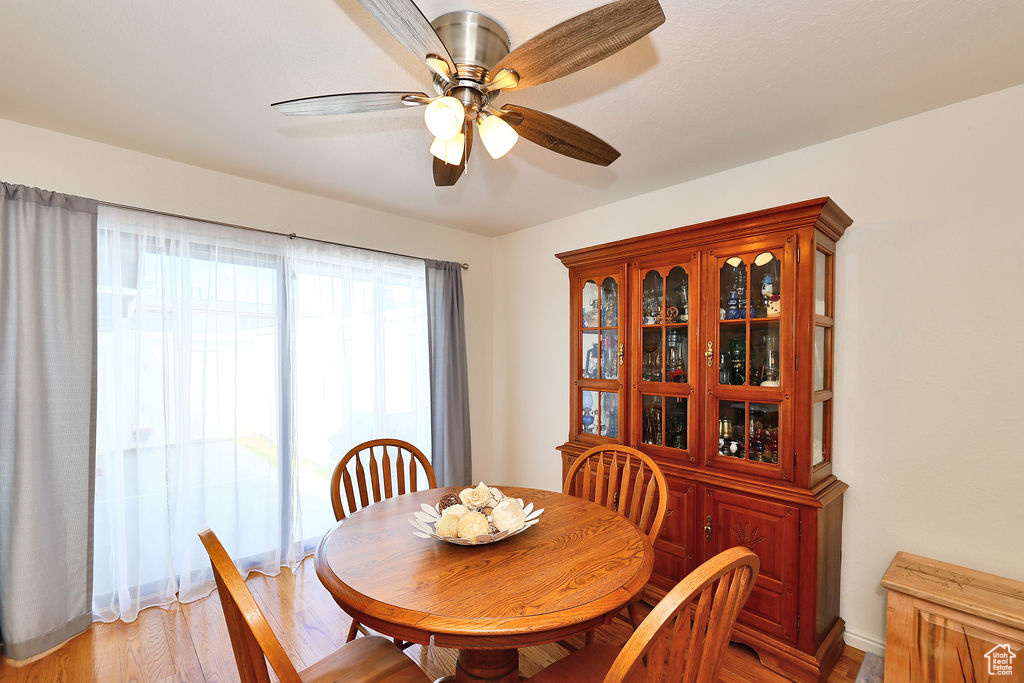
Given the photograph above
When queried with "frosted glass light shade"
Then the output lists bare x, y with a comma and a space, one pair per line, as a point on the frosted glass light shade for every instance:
449, 151
498, 137
444, 117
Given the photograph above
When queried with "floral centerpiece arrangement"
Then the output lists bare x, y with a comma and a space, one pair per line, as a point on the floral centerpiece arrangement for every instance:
482, 514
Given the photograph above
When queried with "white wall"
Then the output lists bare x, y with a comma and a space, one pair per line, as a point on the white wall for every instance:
42, 158
930, 322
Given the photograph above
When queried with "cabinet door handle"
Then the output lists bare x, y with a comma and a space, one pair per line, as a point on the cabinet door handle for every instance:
710, 354
620, 354
707, 529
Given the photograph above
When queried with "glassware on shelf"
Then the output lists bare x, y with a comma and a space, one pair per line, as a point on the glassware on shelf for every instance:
652, 298
650, 370
764, 433
675, 355
737, 360
591, 308
677, 297
675, 426
588, 418
591, 354
652, 414
609, 414
766, 301
770, 360
723, 370
609, 354
733, 289
609, 303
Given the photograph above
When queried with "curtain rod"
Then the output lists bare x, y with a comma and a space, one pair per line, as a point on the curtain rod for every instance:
465, 266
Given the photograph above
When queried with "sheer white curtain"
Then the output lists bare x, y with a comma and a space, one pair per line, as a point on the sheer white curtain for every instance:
233, 366
360, 363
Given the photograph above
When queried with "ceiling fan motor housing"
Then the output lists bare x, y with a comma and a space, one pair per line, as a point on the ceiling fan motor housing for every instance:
476, 43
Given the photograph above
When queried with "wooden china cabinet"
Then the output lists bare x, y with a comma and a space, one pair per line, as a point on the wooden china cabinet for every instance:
709, 348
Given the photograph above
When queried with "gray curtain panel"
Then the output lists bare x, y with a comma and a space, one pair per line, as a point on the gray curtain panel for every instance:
449, 383
47, 416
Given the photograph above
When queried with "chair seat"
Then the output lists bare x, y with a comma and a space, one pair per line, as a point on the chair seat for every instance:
365, 659
589, 664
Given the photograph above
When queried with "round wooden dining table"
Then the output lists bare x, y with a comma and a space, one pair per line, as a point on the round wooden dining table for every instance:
569, 573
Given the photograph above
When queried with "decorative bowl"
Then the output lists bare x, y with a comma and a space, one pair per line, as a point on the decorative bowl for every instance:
423, 522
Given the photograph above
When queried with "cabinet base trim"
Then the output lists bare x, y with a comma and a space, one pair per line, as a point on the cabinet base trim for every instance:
791, 662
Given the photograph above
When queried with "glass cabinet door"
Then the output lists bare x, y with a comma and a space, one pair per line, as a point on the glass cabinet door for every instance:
599, 382
662, 323
746, 346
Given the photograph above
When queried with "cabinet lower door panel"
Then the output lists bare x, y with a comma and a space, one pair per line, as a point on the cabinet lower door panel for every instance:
675, 549
770, 529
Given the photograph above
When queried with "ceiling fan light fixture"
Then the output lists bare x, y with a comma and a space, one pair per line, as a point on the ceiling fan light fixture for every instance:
498, 137
444, 117
449, 150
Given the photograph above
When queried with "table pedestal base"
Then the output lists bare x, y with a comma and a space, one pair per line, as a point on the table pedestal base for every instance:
492, 666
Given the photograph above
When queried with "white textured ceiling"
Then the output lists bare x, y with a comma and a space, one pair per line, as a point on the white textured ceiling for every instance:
719, 84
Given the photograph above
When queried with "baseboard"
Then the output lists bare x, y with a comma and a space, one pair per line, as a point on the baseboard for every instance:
864, 643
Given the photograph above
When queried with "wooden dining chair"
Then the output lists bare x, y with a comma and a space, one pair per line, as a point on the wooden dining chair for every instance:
374, 482
254, 643
392, 468
674, 643
624, 480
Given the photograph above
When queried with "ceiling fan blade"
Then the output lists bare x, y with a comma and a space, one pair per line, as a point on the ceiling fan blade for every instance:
404, 20
558, 135
346, 103
581, 41
447, 174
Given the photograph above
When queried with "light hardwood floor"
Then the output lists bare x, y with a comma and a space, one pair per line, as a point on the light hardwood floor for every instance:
190, 642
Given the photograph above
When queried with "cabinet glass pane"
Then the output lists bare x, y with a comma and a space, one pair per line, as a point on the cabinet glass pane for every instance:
609, 303
675, 422
675, 354
733, 356
610, 354
764, 432
591, 304
589, 408
733, 289
591, 354
652, 298
609, 414
677, 296
822, 263
764, 354
651, 408
731, 421
820, 414
765, 286
819, 358
650, 370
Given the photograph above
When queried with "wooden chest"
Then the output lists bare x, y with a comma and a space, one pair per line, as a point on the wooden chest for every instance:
950, 623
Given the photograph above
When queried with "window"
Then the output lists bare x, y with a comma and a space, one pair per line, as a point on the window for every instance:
234, 369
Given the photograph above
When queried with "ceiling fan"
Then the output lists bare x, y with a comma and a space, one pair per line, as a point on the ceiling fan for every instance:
469, 56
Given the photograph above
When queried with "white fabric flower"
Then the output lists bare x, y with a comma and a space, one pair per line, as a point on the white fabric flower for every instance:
476, 497
508, 515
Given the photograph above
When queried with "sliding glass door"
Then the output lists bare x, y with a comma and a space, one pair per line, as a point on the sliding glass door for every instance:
234, 369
